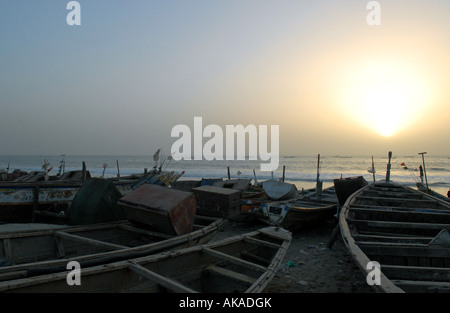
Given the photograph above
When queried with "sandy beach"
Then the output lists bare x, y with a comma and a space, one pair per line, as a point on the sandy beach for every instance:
309, 266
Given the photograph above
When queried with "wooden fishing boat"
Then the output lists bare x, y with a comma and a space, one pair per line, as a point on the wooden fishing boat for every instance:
19, 200
49, 249
298, 213
405, 231
306, 210
244, 263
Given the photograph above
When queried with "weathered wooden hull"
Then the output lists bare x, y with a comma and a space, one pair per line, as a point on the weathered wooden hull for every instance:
300, 214
296, 214
245, 263
29, 253
304, 211
404, 231
18, 200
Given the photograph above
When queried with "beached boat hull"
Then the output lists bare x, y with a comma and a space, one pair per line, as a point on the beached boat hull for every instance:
244, 263
33, 252
296, 214
304, 211
402, 229
20, 200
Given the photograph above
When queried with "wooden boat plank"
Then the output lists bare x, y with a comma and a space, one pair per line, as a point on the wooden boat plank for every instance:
381, 245
261, 242
391, 194
233, 259
423, 286
145, 231
405, 250
161, 280
386, 224
90, 241
423, 212
231, 274
13, 275
362, 237
398, 208
387, 199
422, 273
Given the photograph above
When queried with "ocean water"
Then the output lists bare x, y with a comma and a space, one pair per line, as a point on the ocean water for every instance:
300, 170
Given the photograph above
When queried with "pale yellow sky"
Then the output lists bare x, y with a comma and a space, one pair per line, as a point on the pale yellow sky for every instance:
333, 83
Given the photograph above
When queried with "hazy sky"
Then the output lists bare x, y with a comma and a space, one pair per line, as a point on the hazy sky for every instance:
132, 70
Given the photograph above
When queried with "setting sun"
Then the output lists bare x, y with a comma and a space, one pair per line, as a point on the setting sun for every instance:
386, 97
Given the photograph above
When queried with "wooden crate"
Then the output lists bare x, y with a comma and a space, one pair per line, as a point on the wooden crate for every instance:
217, 201
164, 209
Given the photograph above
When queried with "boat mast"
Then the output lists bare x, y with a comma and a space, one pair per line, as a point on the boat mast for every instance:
388, 171
318, 182
424, 171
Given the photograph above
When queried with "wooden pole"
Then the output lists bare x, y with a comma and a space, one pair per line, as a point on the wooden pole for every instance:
118, 169
424, 170
318, 182
254, 174
229, 176
35, 203
388, 171
373, 170
284, 168
318, 166
83, 176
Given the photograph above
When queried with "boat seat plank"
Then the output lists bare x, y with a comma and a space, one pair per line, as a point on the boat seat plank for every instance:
261, 242
386, 224
399, 211
363, 237
146, 232
395, 199
405, 250
231, 274
392, 194
423, 286
398, 208
89, 241
381, 245
233, 259
13, 275
159, 279
421, 273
